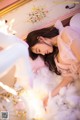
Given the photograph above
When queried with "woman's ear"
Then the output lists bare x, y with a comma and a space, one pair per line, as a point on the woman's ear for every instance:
41, 39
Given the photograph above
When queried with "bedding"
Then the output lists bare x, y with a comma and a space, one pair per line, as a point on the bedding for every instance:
28, 105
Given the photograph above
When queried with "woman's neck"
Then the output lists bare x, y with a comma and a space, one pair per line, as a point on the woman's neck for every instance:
54, 41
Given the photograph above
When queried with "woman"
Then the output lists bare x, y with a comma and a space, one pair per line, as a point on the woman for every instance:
60, 52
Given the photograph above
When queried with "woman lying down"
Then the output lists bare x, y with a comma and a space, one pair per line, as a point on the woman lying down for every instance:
59, 47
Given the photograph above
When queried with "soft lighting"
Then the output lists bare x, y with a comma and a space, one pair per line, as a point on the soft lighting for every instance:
34, 105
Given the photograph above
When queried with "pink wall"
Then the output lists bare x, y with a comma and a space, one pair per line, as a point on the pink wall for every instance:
5, 3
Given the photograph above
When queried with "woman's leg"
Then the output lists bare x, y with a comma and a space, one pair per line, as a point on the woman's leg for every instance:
16, 54
7, 40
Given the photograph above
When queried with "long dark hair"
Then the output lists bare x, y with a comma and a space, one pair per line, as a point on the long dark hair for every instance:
48, 58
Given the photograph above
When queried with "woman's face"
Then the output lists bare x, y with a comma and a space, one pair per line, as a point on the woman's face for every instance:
42, 48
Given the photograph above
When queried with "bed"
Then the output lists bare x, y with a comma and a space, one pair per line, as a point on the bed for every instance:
64, 106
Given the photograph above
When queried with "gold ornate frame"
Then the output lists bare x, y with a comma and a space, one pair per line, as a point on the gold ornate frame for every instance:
13, 6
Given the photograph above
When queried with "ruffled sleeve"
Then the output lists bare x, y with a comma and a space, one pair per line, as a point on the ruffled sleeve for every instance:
59, 25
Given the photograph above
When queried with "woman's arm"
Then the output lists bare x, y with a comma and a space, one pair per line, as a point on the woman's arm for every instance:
8, 39
64, 82
76, 48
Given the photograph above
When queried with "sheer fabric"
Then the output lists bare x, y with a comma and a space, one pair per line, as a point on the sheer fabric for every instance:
71, 66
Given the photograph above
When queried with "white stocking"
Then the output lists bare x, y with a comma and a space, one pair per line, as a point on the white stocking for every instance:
15, 53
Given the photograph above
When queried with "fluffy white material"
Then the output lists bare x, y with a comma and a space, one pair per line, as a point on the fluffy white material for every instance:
66, 105
59, 25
